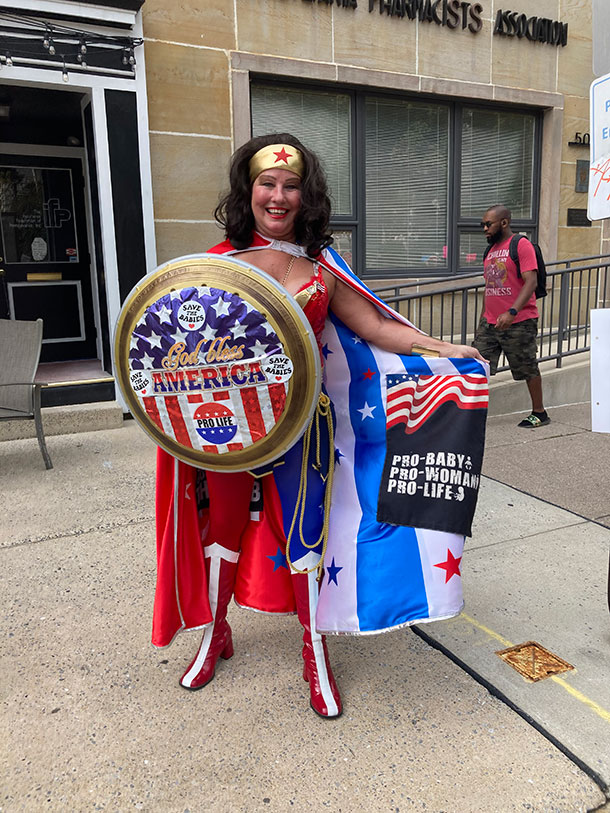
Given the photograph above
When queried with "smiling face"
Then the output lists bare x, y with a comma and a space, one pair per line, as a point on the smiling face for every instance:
276, 201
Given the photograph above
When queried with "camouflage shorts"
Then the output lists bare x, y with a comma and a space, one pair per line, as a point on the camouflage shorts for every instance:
518, 342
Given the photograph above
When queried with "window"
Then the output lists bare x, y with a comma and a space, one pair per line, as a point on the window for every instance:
497, 166
406, 182
322, 121
410, 179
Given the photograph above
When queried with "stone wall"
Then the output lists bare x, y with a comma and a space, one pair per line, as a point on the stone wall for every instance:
200, 53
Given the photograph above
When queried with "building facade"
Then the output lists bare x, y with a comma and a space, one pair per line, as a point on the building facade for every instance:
424, 113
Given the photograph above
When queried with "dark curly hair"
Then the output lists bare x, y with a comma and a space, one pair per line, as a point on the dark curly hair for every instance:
234, 212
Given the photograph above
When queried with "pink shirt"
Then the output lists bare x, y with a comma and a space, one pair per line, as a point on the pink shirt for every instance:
502, 285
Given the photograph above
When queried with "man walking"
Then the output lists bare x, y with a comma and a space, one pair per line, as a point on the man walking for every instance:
509, 321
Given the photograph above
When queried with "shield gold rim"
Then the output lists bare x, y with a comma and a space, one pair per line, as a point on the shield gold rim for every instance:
283, 314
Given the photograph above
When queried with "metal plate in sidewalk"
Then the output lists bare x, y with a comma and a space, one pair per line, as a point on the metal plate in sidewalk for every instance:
533, 661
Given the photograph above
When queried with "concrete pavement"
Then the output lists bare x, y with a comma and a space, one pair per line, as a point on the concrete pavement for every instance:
94, 718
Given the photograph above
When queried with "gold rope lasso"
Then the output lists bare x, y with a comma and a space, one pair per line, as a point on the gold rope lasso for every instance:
323, 410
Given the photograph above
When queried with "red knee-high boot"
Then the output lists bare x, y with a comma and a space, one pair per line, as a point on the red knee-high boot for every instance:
325, 698
216, 642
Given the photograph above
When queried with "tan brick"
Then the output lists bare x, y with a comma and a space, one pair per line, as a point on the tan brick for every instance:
524, 64
457, 52
188, 175
374, 40
176, 239
208, 23
578, 242
575, 71
569, 199
188, 89
285, 28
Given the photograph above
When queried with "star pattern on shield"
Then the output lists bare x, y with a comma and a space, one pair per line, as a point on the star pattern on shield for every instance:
451, 566
208, 333
154, 340
239, 329
147, 361
259, 349
221, 307
333, 572
278, 559
180, 335
164, 314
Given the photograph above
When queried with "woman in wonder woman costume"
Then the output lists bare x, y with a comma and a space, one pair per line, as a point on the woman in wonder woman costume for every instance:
224, 534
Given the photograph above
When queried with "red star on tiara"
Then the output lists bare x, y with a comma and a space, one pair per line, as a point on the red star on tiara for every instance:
282, 155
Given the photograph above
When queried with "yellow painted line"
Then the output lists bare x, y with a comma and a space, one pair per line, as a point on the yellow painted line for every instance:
595, 707
599, 710
486, 630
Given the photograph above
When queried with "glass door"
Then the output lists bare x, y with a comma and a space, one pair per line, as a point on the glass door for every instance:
44, 252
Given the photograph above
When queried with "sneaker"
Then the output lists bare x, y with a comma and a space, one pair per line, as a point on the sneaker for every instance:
535, 420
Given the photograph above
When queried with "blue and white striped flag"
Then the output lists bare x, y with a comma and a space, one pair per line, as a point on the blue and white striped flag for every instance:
381, 576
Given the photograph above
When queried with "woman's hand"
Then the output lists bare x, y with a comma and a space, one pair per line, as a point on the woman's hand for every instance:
460, 351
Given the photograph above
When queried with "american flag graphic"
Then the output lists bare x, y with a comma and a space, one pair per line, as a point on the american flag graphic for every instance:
411, 399
213, 411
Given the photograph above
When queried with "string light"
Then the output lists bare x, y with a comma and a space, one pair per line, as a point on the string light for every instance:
73, 45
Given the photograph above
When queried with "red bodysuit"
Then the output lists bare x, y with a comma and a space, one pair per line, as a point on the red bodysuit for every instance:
238, 512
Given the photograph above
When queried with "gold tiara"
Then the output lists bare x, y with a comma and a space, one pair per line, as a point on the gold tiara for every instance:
276, 156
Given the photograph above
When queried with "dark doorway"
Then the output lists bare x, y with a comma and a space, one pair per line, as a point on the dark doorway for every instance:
44, 249
45, 253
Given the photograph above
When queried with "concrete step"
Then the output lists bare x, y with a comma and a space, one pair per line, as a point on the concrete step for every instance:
67, 420
569, 384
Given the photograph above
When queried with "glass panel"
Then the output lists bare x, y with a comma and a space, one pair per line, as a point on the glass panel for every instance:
472, 248
407, 171
37, 215
342, 243
497, 162
322, 121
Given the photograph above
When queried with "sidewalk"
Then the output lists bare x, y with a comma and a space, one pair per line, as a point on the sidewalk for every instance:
537, 569
95, 719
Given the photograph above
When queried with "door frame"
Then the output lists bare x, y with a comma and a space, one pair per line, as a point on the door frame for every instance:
95, 87
78, 154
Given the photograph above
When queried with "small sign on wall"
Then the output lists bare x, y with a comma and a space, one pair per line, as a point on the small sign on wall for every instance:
578, 217
582, 176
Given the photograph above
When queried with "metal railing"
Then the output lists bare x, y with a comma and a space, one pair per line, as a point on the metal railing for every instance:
450, 309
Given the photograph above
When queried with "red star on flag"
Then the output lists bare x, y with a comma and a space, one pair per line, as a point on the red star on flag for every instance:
451, 566
282, 155
369, 374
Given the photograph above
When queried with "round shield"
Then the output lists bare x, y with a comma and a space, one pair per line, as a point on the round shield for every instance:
217, 362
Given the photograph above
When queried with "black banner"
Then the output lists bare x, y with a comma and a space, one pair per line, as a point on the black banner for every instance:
434, 456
